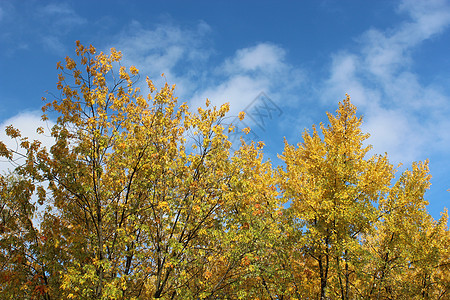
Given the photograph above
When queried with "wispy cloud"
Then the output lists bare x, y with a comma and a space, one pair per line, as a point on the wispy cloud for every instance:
240, 78
54, 44
178, 53
403, 115
63, 20
263, 58
28, 26
184, 56
62, 16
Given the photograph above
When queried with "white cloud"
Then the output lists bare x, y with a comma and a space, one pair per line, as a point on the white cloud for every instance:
61, 15
242, 77
263, 57
250, 71
54, 44
176, 52
183, 55
385, 53
430, 16
395, 132
404, 116
57, 20
27, 123
238, 90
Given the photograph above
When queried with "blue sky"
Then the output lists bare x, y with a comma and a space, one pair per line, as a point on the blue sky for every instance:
391, 57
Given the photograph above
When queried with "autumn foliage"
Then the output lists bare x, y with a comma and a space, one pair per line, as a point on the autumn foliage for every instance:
140, 197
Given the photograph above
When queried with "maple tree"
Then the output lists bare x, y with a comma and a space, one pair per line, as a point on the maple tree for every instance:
142, 198
131, 211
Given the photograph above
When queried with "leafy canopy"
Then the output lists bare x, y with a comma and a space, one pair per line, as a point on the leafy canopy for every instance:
140, 197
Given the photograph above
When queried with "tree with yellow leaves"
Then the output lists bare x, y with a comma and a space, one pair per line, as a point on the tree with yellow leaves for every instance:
333, 188
361, 236
131, 210
407, 253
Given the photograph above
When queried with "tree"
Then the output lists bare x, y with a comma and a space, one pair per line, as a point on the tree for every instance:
332, 189
22, 273
407, 251
360, 236
133, 212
